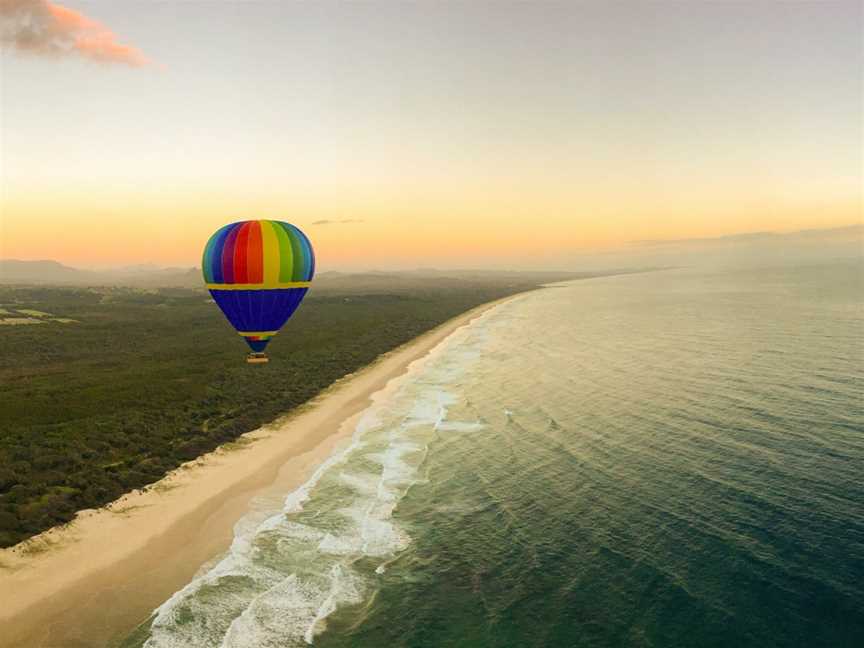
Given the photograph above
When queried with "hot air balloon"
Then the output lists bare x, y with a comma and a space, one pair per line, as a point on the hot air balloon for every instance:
258, 272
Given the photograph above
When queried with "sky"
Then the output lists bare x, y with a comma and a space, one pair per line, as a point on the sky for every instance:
396, 135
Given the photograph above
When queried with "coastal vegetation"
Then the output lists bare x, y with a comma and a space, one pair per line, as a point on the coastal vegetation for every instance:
130, 383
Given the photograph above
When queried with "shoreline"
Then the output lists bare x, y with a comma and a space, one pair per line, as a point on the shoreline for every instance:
92, 581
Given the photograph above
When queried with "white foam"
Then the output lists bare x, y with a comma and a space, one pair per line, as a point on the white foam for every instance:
295, 500
362, 483
343, 589
258, 596
292, 611
339, 545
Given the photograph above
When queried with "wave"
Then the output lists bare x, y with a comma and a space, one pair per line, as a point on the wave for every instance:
287, 571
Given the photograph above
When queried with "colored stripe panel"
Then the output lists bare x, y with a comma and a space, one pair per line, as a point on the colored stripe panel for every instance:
254, 254
216, 253
270, 252
300, 251
286, 256
208, 260
239, 254
228, 254
297, 273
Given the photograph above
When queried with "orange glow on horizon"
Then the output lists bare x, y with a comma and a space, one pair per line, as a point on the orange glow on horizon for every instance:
102, 236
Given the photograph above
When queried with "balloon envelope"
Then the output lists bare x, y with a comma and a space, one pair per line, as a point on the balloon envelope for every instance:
258, 272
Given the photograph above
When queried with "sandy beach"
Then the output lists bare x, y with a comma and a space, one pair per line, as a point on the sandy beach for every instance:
95, 579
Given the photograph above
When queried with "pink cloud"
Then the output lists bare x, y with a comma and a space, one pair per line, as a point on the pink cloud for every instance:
48, 29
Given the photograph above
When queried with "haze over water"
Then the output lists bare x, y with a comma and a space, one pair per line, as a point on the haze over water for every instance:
662, 459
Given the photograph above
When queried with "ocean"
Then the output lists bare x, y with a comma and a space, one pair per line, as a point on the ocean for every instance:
673, 458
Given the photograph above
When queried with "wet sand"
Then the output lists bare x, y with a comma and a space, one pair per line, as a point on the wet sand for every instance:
94, 580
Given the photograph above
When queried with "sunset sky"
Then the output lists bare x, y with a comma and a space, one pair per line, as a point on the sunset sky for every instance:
404, 135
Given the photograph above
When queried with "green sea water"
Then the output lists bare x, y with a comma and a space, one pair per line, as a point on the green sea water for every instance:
664, 459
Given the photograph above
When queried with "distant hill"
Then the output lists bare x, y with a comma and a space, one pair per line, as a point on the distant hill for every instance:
846, 234
13, 271
150, 276
752, 249
755, 248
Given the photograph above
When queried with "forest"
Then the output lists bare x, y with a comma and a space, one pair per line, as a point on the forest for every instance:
142, 380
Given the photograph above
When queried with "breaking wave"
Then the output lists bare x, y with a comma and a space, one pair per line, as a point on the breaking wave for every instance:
287, 571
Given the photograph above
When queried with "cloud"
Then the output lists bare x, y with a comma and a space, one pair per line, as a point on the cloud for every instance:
43, 28
337, 222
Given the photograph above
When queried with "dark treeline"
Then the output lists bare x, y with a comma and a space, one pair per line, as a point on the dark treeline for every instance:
149, 379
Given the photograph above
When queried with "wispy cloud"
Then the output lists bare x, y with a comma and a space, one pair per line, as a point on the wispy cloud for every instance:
337, 222
48, 29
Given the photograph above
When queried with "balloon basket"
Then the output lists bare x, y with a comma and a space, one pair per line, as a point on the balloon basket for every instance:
257, 358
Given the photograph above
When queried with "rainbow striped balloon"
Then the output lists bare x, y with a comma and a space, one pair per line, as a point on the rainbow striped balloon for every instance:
258, 272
